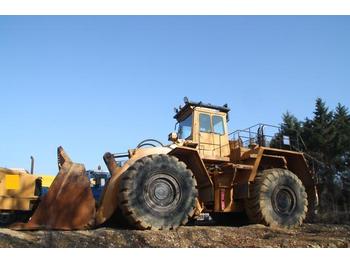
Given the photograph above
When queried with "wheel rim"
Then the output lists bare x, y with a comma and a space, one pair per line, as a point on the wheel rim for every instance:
162, 193
284, 201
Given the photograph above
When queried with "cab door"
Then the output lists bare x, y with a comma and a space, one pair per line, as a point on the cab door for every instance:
205, 139
220, 137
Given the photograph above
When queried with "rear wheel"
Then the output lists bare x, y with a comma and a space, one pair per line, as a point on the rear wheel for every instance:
277, 198
158, 192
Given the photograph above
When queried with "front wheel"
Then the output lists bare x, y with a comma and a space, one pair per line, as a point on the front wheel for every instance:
277, 198
158, 192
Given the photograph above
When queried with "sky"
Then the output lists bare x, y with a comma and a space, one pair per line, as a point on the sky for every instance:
97, 84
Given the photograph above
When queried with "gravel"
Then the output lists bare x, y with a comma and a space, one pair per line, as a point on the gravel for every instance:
308, 236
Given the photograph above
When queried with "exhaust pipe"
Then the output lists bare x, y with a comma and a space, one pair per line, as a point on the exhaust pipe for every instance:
32, 165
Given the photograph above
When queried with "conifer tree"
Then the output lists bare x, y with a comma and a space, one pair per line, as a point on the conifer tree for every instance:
327, 138
341, 147
317, 132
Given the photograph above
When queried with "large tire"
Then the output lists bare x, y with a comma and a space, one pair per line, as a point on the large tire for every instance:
158, 192
277, 198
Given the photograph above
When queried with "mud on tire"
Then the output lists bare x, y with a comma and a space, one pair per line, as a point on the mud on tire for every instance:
277, 198
157, 192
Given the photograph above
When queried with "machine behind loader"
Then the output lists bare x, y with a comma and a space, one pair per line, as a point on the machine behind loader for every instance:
19, 194
204, 169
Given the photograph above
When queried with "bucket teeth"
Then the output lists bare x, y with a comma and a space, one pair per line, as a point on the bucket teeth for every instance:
62, 157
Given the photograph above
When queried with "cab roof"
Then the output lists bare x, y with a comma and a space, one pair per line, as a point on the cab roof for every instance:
190, 105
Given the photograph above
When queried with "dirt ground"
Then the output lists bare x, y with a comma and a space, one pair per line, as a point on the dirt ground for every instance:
309, 235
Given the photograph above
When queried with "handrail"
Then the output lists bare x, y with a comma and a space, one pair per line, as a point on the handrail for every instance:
256, 134
256, 125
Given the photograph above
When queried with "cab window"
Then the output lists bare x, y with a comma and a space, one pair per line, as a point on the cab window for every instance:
185, 128
218, 125
204, 123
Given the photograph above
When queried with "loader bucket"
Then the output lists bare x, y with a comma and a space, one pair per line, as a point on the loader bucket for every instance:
69, 203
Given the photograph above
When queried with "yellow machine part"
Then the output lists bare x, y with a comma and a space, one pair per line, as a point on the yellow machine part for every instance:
12, 182
17, 190
46, 180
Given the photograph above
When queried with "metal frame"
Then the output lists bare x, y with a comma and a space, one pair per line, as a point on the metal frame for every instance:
248, 137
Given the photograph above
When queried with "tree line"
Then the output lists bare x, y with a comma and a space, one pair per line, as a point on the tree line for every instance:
325, 138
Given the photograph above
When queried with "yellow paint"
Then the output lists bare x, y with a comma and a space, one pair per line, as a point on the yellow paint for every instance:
12, 182
46, 180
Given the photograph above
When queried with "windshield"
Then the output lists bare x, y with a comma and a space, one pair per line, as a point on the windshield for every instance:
185, 128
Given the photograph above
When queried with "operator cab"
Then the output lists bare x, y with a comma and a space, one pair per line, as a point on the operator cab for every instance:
204, 127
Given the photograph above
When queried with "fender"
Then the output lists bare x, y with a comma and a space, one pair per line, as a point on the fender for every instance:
194, 162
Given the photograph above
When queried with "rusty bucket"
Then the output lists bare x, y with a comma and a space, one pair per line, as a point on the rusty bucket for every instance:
69, 203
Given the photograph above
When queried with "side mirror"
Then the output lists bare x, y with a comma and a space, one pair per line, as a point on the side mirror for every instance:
173, 137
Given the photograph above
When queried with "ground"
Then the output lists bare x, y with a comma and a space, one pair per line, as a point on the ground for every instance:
309, 235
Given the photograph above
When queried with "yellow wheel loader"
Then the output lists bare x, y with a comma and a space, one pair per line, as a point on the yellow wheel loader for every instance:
19, 195
205, 169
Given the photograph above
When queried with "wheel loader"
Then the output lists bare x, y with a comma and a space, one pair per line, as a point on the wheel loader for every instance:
204, 169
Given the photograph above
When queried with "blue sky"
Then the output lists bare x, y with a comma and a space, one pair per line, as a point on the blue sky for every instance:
97, 84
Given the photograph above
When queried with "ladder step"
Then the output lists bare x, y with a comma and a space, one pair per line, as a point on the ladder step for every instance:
246, 167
